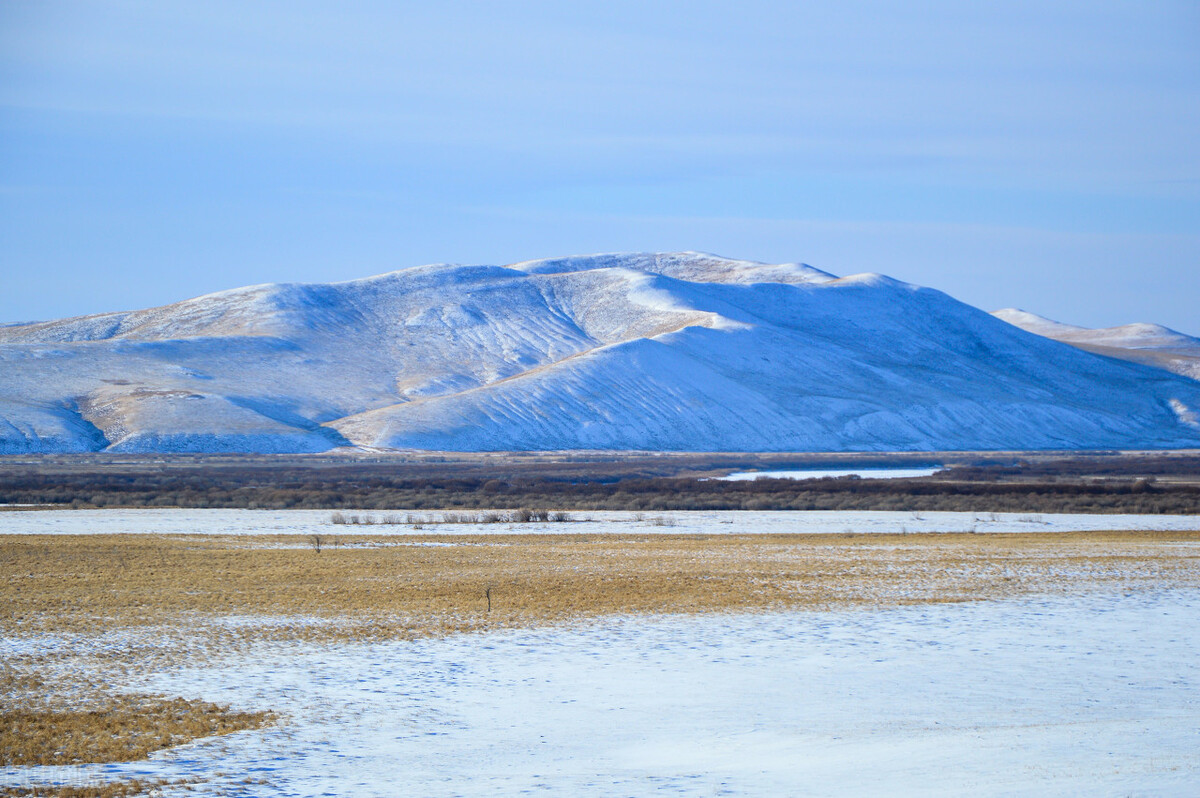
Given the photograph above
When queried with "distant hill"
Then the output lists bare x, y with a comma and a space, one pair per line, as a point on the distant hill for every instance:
1150, 344
676, 351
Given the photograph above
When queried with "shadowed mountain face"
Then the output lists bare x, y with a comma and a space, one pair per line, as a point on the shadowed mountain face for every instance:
650, 351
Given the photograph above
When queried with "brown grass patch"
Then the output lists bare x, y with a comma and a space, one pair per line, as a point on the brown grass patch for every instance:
120, 729
123, 789
416, 585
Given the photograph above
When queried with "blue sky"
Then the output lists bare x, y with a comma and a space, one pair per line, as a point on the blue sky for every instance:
1039, 155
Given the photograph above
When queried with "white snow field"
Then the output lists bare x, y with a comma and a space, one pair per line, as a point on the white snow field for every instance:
1151, 344
1087, 695
669, 351
171, 521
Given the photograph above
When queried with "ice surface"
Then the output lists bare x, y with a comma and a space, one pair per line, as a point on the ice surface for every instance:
817, 473
1094, 694
712, 522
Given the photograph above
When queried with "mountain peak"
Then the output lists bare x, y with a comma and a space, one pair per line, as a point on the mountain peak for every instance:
690, 266
1033, 322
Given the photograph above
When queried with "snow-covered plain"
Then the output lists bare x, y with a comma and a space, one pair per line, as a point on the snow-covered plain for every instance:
711, 522
652, 352
1094, 694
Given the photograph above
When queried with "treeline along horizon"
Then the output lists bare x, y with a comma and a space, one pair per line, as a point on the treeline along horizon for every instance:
417, 487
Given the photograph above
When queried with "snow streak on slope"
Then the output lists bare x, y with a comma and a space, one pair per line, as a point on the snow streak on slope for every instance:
1150, 344
680, 351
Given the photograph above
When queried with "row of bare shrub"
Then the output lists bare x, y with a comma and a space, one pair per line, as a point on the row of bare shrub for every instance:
518, 516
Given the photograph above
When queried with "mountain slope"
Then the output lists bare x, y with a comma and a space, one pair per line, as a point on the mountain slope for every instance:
679, 351
1149, 344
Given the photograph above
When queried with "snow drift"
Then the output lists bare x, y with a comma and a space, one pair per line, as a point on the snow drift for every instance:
679, 351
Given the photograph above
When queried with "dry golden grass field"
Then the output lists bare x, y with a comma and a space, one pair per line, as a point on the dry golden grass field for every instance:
172, 599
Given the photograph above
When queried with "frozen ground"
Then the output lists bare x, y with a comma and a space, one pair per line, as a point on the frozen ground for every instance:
266, 522
1084, 695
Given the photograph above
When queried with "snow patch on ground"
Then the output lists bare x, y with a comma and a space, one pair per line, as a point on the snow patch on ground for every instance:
1082, 695
703, 522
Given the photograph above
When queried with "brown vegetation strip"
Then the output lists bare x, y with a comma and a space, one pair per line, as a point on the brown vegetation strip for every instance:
401, 586
1162, 482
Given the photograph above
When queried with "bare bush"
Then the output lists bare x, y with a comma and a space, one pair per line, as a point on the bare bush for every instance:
460, 518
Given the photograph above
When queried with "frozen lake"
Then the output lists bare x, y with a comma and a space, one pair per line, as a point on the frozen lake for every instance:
818, 473
263, 522
1094, 695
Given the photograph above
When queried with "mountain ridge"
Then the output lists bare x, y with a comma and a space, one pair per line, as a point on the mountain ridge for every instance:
678, 351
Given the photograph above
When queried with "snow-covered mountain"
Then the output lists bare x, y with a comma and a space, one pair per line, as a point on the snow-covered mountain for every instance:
1151, 344
679, 351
